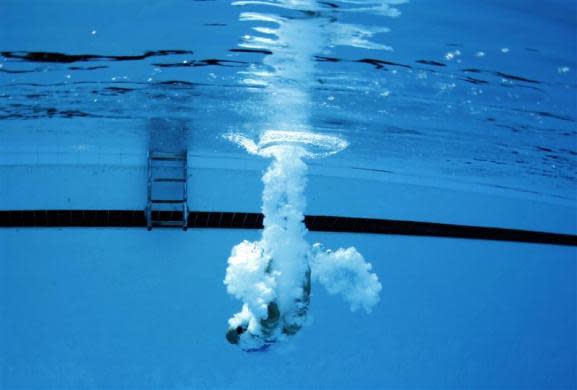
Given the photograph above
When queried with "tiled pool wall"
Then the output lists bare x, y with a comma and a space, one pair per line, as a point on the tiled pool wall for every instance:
119, 182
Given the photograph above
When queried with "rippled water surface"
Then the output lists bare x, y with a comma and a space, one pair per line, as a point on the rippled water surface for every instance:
476, 92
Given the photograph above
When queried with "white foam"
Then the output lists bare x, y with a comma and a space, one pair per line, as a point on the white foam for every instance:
275, 268
312, 145
247, 279
345, 272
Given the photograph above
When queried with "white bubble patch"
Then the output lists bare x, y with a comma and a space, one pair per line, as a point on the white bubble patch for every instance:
272, 276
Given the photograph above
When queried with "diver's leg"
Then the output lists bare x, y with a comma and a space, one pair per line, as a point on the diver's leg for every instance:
270, 323
295, 322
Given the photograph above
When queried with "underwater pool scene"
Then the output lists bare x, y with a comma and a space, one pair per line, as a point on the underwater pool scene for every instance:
288, 194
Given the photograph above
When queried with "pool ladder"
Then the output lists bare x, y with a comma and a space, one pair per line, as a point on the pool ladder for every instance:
166, 204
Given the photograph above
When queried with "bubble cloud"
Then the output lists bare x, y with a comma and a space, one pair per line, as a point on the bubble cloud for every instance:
272, 276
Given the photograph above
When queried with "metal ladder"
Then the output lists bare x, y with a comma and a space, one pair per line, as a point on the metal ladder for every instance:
166, 204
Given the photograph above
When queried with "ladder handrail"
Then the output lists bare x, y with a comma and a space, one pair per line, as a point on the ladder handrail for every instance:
185, 195
149, 194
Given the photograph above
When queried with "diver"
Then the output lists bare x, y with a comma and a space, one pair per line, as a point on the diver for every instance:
257, 335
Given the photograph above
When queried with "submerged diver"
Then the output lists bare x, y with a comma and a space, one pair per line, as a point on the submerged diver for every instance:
272, 276
255, 334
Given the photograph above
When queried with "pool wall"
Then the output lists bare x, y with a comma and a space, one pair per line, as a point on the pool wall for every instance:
119, 183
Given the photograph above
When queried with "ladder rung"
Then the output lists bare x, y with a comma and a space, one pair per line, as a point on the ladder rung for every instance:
167, 154
175, 158
167, 201
168, 223
169, 179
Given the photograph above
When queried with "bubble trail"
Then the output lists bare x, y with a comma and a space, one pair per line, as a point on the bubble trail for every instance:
272, 276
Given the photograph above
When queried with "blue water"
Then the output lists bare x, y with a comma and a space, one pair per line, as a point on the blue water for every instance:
129, 309
452, 112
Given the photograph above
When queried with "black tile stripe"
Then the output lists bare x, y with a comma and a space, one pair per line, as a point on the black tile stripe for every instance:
240, 220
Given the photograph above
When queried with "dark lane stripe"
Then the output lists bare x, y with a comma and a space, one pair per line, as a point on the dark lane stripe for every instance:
240, 220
